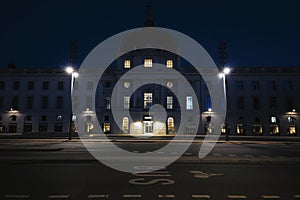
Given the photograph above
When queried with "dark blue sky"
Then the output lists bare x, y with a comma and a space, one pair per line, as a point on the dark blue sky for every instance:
257, 32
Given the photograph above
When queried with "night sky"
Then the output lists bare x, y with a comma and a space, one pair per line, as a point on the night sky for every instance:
257, 32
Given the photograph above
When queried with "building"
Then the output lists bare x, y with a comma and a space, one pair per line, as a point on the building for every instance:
260, 100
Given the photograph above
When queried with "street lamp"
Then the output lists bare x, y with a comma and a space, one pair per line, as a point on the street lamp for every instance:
70, 70
222, 74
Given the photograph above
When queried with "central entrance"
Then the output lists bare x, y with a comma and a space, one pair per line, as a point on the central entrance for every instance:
148, 125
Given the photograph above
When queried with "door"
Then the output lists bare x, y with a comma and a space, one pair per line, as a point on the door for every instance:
148, 127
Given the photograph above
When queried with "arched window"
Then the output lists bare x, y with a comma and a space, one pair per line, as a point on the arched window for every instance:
13, 117
125, 124
171, 126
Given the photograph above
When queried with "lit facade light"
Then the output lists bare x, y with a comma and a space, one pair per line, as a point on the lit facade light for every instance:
69, 70
75, 74
221, 75
226, 70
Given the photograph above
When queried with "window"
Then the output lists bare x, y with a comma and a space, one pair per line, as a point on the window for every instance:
45, 85
44, 101
106, 127
290, 103
240, 103
255, 85
30, 85
1, 102
148, 62
89, 85
273, 102
13, 117
59, 117
126, 84
127, 64
147, 100
288, 85
189, 103
126, 102
2, 85
125, 124
169, 63
107, 103
60, 85
272, 85
207, 103
171, 126
169, 84
28, 118
107, 84
44, 118
106, 118
273, 120
29, 102
240, 85
89, 101
169, 102
59, 102
15, 102
16, 85
256, 103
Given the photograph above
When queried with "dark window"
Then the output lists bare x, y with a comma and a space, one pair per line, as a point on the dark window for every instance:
44, 102
60, 85
290, 103
106, 118
107, 84
13, 118
2, 85
207, 103
44, 118
240, 85
256, 103
29, 102
273, 102
28, 118
1, 102
30, 85
255, 85
43, 127
240, 103
288, 85
16, 85
59, 102
15, 102
45, 85
272, 85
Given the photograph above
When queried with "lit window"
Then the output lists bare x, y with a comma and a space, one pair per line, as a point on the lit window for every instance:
125, 124
107, 102
126, 102
147, 100
126, 84
273, 120
171, 126
169, 102
59, 117
189, 103
169, 63
106, 127
148, 62
127, 64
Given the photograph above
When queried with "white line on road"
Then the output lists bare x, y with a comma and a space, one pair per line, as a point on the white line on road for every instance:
270, 196
160, 152
132, 196
94, 196
264, 156
232, 155
166, 196
237, 196
59, 196
297, 195
250, 156
188, 153
216, 154
17, 196
200, 196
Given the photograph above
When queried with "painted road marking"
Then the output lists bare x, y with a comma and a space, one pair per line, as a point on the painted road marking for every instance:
59, 196
250, 156
237, 196
160, 152
166, 196
232, 155
188, 153
270, 196
297, 195
132, 196
216, 154
264, 156
200, 196
201, 174
17, 196
94, 196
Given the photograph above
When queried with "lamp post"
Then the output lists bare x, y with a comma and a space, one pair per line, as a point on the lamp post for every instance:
74, 74
222, 75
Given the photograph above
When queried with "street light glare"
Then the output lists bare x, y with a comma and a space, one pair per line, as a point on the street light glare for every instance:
226, 70
221, 75
69, 70
75, 74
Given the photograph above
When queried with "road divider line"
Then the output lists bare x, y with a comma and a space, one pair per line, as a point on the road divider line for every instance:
200, 196
17, 196
237, 196
297, 196
270, 196
166, 196
132, 196
59, 196
94, 196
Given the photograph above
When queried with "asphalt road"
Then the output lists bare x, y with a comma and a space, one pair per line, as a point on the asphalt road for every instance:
65, 170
